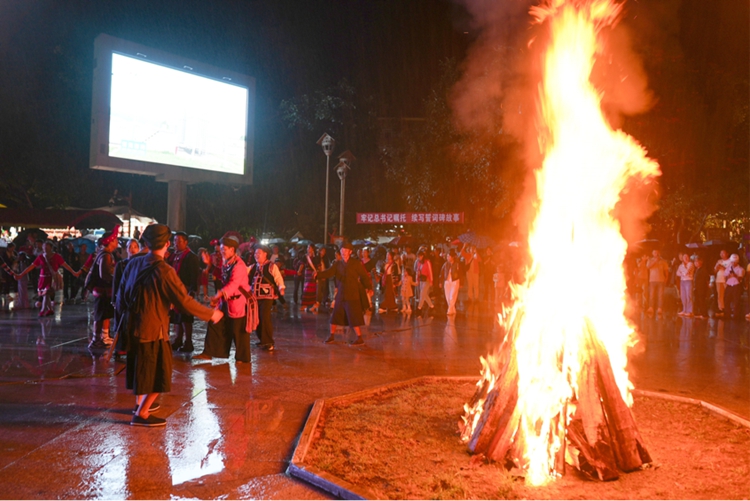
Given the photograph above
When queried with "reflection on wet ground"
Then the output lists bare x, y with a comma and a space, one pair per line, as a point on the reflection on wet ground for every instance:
231, 429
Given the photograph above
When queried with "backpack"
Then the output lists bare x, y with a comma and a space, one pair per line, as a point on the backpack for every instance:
92, 277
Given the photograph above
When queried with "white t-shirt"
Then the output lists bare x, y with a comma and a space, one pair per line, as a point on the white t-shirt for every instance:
721, 278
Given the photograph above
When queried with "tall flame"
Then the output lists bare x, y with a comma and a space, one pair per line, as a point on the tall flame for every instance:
575, 284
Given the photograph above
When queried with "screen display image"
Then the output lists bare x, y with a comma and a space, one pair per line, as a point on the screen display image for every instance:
167, 116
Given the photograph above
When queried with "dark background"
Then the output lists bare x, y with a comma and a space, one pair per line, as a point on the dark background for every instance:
360, 70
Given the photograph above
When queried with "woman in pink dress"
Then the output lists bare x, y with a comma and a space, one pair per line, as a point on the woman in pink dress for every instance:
48, 263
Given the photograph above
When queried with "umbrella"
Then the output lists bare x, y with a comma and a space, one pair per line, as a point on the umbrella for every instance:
646, 245
245, 247
84, 242
402, 240
363, 242
277, 241
304, 242
234, 234
20, 239
478, 241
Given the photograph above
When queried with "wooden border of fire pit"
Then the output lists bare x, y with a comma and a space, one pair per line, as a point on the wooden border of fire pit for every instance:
345, 490
324, 480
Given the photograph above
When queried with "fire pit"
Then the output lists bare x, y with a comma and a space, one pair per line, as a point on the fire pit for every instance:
557, 391
401, 441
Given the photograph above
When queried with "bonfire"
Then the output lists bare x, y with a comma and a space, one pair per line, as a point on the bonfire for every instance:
557, 391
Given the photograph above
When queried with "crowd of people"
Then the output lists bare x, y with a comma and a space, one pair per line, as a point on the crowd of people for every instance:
148, 291
699, 286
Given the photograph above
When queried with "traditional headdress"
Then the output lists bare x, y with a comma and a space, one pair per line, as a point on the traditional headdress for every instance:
109, 236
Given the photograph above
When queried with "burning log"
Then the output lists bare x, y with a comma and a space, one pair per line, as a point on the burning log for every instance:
600, 439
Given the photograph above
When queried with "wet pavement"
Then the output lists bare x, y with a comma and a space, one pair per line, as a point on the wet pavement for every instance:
231, 428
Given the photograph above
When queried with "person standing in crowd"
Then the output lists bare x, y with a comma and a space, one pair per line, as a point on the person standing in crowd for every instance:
390, 282
267, 284
86, 259
216, 264
322, 263
100, 283
473, 260
187, 265
205, 271
408, 258
500, 283
686, 271
733, 297
351, 276
721, 280
70, 256
310, 290
642, 274
657, 280
425, 280
233, 304
407, 288
8, 258
370, 266
487, 271
22, 297
299, 276
148, 287
701, 281
49, 279
133, 249
449, 276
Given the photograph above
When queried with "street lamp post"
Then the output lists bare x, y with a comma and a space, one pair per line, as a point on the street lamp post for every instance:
342, 169
328, 143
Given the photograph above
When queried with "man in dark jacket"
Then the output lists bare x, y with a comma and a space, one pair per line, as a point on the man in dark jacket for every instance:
351, 278
147, 289
701, 279
187, 265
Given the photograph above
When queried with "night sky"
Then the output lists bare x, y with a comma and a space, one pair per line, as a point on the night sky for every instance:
695, 56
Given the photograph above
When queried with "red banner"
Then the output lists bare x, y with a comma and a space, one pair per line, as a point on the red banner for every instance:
410, 217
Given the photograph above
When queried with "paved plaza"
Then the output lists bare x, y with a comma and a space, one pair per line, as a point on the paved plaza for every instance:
231, 428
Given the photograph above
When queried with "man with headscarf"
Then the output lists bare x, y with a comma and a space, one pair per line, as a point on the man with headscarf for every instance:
100, 280
148, 287
267, 284
233, 304
352, 280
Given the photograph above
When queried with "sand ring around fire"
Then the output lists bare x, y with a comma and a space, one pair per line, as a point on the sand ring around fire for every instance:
401, 441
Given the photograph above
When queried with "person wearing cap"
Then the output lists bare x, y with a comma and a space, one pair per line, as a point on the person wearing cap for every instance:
102, 271
267, 284
147, 289
187, 265
233, 304
733, 295
351, 279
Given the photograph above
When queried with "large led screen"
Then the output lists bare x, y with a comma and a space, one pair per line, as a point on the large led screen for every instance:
167, 116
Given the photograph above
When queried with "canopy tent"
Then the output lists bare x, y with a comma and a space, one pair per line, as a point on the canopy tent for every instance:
58, 218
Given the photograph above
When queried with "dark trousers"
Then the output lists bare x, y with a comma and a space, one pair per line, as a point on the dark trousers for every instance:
298, 283
265, 325
733, 300
219, 338
700, 301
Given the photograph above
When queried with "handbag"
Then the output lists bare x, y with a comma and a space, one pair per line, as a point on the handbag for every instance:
57, 279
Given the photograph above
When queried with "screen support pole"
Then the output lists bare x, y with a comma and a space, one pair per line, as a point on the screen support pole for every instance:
177, 205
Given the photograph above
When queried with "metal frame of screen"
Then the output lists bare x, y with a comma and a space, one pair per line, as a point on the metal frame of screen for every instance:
99, 158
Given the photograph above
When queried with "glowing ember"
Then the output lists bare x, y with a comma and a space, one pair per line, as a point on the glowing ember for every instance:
575, 286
